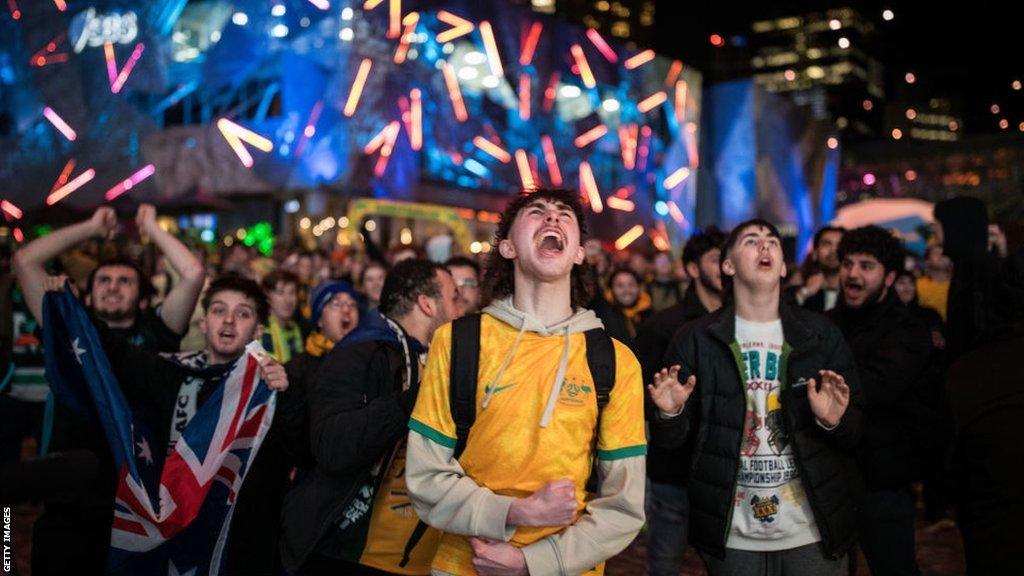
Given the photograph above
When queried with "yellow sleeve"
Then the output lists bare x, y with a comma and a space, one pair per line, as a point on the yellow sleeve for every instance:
622, 421
432, 416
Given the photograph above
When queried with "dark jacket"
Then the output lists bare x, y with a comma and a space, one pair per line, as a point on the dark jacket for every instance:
986, 395
716, 414
357, 412
652, 339
256, 521
892, 349
986, 406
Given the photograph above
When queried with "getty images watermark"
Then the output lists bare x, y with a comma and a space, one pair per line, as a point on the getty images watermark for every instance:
8, 544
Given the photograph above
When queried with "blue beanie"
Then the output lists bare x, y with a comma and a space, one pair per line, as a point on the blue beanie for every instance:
324, 292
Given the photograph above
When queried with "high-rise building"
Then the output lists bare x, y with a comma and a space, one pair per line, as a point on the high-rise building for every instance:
935, 119
827, 60
625, 20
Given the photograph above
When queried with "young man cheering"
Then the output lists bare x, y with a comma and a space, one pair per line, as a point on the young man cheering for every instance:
514, 501
892, 350
116, 291
776, 416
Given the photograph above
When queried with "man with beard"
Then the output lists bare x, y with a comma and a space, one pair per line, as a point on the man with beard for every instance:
775, 415
351, 513
515, 500
117, 290
667, 502
820, 291
892, 349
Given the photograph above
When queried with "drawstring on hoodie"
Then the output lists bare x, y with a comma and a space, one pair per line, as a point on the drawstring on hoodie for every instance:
563, 364
504, 311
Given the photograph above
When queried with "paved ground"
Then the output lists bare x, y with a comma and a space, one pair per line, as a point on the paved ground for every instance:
939, 553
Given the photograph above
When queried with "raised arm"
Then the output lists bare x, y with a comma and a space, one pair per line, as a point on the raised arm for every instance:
30, 261
177, 308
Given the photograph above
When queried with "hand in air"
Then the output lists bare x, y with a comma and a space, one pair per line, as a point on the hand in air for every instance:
667, 393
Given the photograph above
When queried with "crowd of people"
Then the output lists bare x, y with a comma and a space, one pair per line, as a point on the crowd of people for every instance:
530, 410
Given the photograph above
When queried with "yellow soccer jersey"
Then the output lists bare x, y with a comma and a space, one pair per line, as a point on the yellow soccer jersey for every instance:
392, 524
507, 450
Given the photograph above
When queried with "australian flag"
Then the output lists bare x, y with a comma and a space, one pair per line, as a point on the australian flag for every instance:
172, 511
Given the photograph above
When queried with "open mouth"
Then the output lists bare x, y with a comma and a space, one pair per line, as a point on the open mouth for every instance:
551, 242
853, 289
764, 263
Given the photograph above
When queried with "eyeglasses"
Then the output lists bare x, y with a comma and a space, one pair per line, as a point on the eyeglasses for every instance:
468, 283
337, 303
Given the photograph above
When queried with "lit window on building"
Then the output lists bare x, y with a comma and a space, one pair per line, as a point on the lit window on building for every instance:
788, 23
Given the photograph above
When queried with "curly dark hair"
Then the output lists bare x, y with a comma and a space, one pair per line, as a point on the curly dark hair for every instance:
406, 282
499, 273
875, 242
244, 286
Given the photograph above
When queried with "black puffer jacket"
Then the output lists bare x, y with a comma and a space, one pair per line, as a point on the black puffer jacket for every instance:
892, 349
715, 413
357, 413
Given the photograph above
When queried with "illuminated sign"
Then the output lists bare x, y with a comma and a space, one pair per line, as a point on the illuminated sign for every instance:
93, 30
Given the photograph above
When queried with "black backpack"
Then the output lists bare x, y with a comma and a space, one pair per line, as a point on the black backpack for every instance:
465, 362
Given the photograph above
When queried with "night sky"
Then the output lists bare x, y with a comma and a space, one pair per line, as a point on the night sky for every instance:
971, 51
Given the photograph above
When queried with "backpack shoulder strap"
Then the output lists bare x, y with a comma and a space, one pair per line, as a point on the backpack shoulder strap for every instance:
601, 359
465, 361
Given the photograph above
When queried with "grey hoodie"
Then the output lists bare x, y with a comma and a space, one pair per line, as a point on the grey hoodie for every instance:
579, 322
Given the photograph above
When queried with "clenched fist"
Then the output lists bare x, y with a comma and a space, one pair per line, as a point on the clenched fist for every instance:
552, 505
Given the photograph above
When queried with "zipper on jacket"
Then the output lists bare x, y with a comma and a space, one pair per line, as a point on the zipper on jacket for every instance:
735, 348
808, 491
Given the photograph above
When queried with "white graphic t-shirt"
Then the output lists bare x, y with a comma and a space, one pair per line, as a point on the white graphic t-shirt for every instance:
771, 510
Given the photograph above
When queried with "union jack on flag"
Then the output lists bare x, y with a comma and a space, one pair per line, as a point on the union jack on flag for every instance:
171, 513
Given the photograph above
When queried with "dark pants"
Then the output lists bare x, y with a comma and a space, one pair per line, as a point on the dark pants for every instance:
18, 420
72, 540
887, 532
668, 512
807, 560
